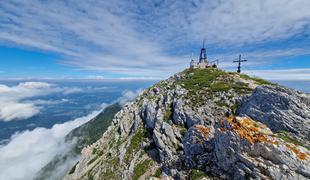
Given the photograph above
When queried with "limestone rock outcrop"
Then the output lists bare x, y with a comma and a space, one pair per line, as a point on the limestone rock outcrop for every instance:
204, 123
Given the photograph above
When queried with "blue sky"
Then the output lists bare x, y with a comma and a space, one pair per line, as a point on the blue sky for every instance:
152, 39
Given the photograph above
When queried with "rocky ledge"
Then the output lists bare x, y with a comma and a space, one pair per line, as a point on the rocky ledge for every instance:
204, 123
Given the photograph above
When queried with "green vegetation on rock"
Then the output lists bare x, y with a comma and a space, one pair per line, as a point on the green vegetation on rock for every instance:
157, 173
234, 109
169, 113
141, 168
197, 174
110, 172
257, 80
200, 78
210, 81
284, 135
135, 142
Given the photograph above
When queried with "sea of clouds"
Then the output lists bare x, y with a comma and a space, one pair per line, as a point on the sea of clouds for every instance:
29, 151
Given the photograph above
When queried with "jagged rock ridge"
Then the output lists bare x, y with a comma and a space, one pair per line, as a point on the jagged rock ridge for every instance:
187, 127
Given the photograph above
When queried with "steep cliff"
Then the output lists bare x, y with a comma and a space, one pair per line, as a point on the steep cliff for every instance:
204, 123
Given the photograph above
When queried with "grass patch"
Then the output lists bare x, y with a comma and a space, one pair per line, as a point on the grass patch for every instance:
220, 86
90, 177
183, 130
197, 174
169, 113
284, 135
234, 109
241, 87
157, 173
257, 80
221, 103
94, 151
208, 81
135, 143
197, 78
110, 172
141, 168
139, 103
119, 142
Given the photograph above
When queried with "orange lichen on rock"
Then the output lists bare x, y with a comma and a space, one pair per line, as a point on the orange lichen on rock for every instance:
248, 129
204, 131
255, 132
300, 155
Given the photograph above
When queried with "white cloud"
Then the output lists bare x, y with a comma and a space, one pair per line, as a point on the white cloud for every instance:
96, 77
15, 110
238, 22
46, 102
282, 74
128, 95
28, 151
72, 90
13, 100
34, 85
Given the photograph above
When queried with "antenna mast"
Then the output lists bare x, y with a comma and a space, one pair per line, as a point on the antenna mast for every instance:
203, 54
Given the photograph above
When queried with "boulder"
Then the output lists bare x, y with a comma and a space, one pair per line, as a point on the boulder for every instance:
279, 108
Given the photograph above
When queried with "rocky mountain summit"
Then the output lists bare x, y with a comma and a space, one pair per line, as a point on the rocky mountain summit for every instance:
205, 123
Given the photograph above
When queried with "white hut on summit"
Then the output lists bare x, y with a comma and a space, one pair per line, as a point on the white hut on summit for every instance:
203, 62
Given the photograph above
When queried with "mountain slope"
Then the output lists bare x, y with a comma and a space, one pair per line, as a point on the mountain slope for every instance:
83, 136
187, 127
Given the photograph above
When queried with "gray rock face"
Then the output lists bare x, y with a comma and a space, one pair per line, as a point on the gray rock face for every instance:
279, 108
149, 113
198, 140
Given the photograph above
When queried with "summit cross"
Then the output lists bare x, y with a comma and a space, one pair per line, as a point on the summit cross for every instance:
239, 63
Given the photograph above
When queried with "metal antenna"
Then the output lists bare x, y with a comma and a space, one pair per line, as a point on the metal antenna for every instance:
203, 54
239, 63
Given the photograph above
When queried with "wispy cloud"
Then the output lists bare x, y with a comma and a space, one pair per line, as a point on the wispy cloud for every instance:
153, 38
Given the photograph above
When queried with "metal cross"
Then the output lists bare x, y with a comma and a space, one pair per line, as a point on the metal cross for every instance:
239, 63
